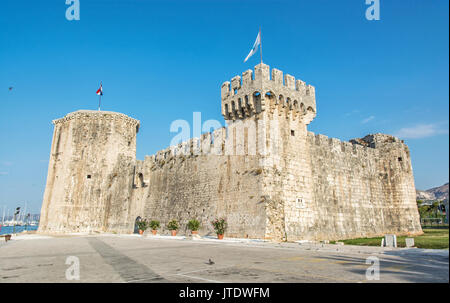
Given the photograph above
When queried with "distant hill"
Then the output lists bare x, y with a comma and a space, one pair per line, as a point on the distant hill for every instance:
435, 193
424, 195
440, 192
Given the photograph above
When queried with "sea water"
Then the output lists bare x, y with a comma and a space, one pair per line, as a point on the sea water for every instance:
9, 229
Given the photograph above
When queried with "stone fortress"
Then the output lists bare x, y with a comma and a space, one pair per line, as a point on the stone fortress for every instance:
265, 172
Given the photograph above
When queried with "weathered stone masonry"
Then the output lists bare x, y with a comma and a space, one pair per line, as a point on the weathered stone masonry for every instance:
265, 172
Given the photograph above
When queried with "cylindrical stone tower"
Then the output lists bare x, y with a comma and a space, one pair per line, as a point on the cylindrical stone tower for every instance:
90, 173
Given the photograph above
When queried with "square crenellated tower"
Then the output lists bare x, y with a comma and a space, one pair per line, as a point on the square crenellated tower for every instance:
252, 94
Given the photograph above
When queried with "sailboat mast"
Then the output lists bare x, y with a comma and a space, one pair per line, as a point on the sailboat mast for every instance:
24, 213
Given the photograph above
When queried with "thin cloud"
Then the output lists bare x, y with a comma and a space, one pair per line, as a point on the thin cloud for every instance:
3, 173
420, 131
368, 119
7, 163
355, 111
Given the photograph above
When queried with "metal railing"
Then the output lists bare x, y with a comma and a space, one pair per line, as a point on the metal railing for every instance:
434, 222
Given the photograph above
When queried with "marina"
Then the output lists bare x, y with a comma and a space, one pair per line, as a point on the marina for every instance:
16, 221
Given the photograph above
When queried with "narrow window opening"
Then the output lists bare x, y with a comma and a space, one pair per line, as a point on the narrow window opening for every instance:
88, 176
400, 159
292, 132
141, 180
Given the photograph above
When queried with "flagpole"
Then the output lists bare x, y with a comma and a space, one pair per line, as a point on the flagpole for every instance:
260, 43
100, 96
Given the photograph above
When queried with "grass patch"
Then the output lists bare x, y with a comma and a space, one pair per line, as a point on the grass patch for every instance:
435, 226
432, 238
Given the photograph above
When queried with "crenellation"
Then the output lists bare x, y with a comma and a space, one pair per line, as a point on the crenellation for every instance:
185, 148
289, 81
262, 73
310, 91
206, 143
359, 149
210, 143
247, 78
321, 139
346, 146
335, 144
218, 138
300, 86
277, 77
88, 114
225, 92
189, 147
166, 152
196, 146
235, 84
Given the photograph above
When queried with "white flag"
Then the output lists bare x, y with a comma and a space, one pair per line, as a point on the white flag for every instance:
255, 46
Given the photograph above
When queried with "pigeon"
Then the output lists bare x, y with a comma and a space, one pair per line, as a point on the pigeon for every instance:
10, 88
210, 262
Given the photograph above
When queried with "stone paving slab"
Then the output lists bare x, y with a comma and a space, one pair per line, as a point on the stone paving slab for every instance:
137, 259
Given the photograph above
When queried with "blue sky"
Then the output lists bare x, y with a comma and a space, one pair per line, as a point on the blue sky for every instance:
162, 60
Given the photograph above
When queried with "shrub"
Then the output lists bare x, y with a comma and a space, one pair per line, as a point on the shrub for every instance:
193, 225
142, 224
220, 225
154, 224
173, 225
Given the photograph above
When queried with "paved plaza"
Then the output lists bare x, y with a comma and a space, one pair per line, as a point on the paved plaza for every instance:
133, 258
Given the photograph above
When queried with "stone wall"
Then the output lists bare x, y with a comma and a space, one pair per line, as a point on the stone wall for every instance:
362, 190
265, 173
339, 190
90, 173
204, 183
